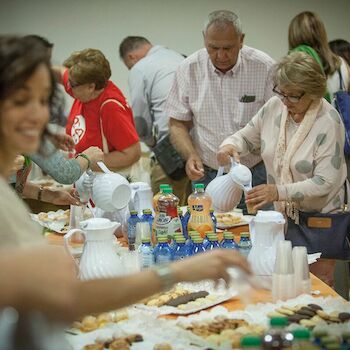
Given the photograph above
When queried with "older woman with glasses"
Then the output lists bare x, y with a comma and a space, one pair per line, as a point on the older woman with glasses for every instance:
301, 138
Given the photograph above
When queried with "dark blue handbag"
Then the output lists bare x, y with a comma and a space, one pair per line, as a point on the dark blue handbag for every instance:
325, 233
342, 104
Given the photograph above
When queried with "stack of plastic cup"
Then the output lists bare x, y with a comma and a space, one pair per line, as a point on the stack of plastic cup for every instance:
283, 278
301, 270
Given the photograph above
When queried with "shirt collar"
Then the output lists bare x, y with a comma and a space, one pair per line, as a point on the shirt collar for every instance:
154, 49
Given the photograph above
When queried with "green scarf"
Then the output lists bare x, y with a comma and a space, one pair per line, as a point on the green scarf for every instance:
310, 51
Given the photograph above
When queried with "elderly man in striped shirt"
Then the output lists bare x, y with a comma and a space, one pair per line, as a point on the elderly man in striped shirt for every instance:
216, 91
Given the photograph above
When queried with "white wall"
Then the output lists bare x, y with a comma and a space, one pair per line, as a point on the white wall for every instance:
102, 24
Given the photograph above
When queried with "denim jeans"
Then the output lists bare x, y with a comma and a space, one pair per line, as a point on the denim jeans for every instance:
258, 178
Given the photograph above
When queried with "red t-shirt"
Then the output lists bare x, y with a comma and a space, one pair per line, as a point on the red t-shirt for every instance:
84, 120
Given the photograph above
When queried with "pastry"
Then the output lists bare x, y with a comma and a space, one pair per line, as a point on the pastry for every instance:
93, 347
162, 346
184, 299
344, 316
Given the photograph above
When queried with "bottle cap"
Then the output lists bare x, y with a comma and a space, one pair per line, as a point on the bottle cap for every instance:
301, 333
250, 340
162, 239
177, 234
228, 235
213, 237
146, 240
162, 186
147, 211
279, 322
245, 235
181, 239
193, 233
198, 239
133, 212
318, 333
167, 190
179, 211
211, 211
199, 186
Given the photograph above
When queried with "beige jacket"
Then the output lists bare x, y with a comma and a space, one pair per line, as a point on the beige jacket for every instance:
318, 167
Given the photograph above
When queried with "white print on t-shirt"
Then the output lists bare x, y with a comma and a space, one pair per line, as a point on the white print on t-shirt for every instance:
78, 128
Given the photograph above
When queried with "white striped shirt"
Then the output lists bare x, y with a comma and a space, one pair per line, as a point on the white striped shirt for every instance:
214, 100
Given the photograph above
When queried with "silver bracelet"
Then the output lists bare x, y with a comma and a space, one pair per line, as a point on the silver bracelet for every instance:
165, 275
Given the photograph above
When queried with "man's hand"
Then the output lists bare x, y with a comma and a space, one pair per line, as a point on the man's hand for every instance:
224, 154
262, 195
194, 168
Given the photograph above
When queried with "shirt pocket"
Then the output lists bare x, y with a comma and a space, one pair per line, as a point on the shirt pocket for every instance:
246, 111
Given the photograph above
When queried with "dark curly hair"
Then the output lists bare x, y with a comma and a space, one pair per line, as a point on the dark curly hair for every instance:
19, 58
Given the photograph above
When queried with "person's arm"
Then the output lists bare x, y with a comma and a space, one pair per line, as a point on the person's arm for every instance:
62, 169
121, 134
58, 197
109, 294
140, 105
182, 141
246, 140
58, 72
117, 160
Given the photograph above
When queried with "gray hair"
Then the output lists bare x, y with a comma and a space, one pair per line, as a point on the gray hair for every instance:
221, 19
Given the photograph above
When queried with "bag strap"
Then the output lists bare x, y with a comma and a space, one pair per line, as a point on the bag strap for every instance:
341, 81
105, 147
345, 195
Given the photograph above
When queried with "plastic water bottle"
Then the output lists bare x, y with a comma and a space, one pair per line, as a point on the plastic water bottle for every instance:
191, 236
181, 250
213, 217
146, 254
277, 338
245, 245
228, 242
251, 342
132, 222
173, 243
147, 217
184, 222
197, 247
206, 238
200, 203
213, 242
162, 251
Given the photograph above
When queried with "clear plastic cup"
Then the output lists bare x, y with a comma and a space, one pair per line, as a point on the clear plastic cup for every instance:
301, 270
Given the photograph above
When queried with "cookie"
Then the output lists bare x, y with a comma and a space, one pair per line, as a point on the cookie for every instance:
323, 314
306, 312
308, 323
285, 311
344, 316
274, 314
315, 307
295, 318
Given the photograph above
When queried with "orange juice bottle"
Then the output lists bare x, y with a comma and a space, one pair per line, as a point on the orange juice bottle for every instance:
200, 204
157, 195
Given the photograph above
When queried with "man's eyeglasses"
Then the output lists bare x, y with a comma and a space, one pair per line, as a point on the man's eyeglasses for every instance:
291, 99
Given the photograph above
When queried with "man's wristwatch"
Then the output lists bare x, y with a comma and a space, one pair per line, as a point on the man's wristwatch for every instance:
165, 274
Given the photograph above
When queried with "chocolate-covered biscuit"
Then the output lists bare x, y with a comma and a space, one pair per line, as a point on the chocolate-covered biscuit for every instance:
306, 312
344, 316
184, 299
295, 318
315, 307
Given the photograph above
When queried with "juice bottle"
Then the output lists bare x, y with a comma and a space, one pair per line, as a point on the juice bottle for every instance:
200, 203
157, 195
167, 221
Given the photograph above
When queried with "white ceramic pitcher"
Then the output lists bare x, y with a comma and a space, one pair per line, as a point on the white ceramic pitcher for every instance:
99, 258
266, 230
226, 190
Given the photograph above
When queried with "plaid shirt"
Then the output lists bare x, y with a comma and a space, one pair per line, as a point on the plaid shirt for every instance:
219, 104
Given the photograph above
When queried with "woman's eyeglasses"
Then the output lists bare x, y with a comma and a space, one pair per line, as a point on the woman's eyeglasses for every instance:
291, 99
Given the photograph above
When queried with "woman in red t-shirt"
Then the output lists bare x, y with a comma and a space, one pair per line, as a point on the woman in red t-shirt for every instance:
100, 115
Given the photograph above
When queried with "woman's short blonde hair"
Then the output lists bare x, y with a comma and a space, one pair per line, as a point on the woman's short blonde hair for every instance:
88, 66
299, 71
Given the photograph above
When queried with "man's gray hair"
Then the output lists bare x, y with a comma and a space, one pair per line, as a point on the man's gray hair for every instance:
221, 19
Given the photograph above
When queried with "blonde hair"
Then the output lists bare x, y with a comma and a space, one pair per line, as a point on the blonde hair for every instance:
307, 28
301, 72
89, 66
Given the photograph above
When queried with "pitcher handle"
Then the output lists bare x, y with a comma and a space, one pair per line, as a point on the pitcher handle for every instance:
68, 235
220, 171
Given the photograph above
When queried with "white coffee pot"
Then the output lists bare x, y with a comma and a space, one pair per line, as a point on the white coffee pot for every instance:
226, 190
266, 230
99, 258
